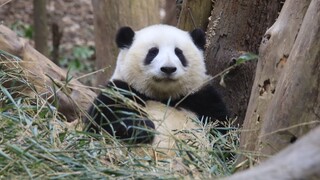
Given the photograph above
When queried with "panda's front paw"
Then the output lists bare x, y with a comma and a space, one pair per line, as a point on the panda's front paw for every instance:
137, 131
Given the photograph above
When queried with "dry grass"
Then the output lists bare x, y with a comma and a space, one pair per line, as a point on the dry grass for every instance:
37, 143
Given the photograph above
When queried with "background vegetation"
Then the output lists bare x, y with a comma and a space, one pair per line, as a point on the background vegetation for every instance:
275, 100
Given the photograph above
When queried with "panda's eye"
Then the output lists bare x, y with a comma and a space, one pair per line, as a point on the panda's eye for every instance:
152, 53
179, 54
178, 51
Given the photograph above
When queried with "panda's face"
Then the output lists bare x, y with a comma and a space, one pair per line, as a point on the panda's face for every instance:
161, 61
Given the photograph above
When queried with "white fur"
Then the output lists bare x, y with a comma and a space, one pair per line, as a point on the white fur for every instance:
131, 69
170, 124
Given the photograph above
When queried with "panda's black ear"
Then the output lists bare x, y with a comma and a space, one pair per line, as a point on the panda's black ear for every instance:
124, 37
199, 38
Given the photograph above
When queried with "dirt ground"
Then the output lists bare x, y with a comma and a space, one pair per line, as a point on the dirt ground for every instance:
75, 19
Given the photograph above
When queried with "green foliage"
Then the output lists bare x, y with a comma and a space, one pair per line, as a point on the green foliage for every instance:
246, 57
23, 29
78, 60
243, 58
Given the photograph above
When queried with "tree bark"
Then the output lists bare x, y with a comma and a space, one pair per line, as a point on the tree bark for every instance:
41, 31
284, 103
56, 40
171, 10
109, 16
298, 161
237, 26
295, 108
73, 98
194, 14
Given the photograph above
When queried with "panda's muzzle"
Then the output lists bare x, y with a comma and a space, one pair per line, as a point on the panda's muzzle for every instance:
166, 78
167, 74
158, 80
168, 70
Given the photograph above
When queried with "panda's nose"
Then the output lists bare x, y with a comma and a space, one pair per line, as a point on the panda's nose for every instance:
168, 69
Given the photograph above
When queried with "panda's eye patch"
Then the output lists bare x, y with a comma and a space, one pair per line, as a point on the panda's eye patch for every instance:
179, 54
152, 53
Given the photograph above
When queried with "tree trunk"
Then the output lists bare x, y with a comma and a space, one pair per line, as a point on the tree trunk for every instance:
295, 108
237, 26
109, 16
171, 10
194, 14
298, 161
41, 31
56, 40
73, 98
284, 103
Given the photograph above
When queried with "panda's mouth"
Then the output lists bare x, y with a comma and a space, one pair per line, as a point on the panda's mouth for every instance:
164, 79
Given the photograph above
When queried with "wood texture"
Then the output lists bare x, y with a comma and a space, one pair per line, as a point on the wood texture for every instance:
275, 49
237, 26
109, 16
73, 99
298, 161
194, 14
295, 107
172, 12
41, 31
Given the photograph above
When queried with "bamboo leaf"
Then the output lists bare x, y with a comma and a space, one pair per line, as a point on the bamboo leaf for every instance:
246, 57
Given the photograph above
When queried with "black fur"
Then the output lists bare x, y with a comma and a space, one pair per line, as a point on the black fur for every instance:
106, 111
124, 37
152, 53
199, 38
181, 57
119, 120
206, 102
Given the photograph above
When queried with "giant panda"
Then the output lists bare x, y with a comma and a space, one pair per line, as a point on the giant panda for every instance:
157, 87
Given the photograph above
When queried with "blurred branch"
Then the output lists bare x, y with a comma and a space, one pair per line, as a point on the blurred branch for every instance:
40, 26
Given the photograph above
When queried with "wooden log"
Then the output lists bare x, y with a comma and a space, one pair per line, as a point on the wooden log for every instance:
298, 161
48, 79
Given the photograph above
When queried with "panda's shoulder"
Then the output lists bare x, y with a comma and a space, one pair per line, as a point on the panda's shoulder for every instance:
126, 90
207, 101
118, 84
205, 92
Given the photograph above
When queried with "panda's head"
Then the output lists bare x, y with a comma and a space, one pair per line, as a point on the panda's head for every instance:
161, 61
